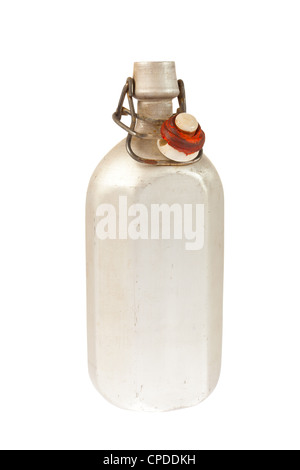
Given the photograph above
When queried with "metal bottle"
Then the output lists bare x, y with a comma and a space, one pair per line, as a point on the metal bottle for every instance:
154, 247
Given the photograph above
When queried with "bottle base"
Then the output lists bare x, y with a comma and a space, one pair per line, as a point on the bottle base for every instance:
138, 404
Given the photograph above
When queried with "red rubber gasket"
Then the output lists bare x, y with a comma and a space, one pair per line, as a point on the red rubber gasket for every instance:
186, 142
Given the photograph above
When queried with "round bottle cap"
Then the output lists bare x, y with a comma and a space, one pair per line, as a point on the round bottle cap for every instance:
186, 122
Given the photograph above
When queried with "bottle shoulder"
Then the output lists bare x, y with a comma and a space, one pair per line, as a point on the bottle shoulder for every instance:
117, 168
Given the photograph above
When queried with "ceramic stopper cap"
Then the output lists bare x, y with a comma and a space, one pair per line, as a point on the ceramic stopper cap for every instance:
186, 122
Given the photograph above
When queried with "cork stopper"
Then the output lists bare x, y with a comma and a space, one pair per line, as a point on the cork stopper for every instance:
155, 80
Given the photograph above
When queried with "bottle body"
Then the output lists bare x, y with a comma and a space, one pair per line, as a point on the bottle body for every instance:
154, 243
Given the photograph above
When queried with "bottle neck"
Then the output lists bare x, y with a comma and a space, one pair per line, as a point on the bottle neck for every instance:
151, 115
155, 86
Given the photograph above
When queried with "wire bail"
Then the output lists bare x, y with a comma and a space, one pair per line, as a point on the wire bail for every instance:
128, 90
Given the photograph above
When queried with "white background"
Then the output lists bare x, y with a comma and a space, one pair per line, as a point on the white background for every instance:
63, 64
